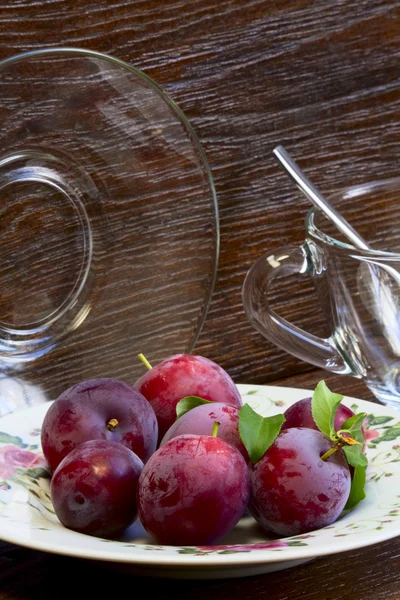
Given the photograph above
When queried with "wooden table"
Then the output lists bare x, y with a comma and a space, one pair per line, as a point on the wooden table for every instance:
321, 78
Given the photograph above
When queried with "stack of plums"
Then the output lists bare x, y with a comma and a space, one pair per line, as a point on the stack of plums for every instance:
181, 452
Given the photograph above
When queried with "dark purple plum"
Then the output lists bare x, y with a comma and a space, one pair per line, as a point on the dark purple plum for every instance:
184, 375
293, 491
106, 409
200, 421
193, 490
94, 488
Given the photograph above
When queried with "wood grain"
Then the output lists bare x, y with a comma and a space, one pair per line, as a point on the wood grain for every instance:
366, 574
313, 76
322, 79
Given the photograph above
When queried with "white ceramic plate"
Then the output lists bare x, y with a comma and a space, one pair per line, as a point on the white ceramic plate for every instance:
27, 517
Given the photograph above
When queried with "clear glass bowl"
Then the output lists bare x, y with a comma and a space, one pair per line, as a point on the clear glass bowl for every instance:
109, 223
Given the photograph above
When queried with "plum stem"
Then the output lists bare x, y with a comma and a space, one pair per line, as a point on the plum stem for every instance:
215, 428
145, 361
331, 451
344, 440
112, 424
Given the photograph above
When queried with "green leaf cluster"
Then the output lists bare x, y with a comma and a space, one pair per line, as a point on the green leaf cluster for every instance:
324, 405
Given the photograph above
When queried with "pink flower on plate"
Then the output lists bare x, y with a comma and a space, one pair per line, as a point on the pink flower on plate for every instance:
370, 434
12, 457
245, 547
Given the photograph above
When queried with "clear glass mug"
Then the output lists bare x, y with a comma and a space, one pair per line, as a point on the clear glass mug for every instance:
358, 290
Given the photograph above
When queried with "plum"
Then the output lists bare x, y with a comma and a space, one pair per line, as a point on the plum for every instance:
200, 421
299, 415
183, 375
93, 489
99, 409
293, 490
193, 490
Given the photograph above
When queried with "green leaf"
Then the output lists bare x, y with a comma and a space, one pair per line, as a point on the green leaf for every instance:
354, 423
6, 438
355, 456
352, 427
357, 492
37, 473
258, 433
188, 403
324, 405
296, 543
387, 436
373, 420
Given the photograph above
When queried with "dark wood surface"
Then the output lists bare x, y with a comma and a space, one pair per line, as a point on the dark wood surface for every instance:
320, 77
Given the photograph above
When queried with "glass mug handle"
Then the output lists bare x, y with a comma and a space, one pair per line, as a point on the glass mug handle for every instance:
294, 340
